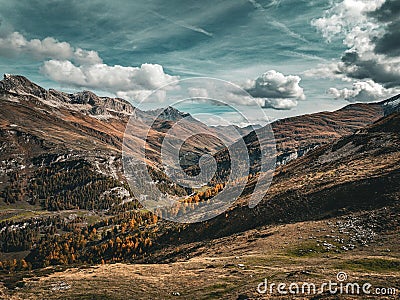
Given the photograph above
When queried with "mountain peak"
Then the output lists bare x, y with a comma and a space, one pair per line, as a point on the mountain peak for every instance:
169, 113
18, 84
86, 97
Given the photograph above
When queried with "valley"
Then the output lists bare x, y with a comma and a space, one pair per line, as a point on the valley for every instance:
71, 227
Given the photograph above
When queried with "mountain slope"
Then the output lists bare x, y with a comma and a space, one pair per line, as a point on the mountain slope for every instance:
296, 136
42, 130
46, 129
357, 172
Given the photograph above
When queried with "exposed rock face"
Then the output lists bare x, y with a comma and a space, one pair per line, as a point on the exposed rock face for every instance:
391, 105
169, 114
15, 85
113, 104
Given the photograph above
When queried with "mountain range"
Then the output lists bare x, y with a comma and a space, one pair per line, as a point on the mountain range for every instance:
40, 127
64, 198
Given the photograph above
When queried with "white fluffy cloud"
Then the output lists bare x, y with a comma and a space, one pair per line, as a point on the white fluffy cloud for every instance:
280, 104
352, 21
277, 90
270, 90
223, 93
273, 84
81, 68
48, 48
362, 91
83, 57
344, 16
129, 82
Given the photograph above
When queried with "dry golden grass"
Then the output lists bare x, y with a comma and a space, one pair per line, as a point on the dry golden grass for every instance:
228, 267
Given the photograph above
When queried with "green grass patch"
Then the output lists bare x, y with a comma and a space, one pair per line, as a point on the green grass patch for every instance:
20, 215
218, 290
218, 286
371, 264
308, 249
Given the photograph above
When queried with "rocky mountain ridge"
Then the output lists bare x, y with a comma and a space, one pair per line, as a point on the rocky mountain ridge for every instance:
391, 105
40, 127
13, 86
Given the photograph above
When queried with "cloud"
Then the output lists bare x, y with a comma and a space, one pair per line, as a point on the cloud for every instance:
326, 70
86, 57
388, 13
372, 50
280, 104
243, 99
362, 91
223, 92
270, 90
81, 68
276, 90
184, 25
49, 48
344, 16
273, 84
198, 92
287, 30
131, 82
279, 25
148, 96
357, 65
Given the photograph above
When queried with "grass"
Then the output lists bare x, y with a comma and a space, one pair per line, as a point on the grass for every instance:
18, 216
218, 286
90, 296
306, 249
267, 261
371, 264
219, 290
215, 295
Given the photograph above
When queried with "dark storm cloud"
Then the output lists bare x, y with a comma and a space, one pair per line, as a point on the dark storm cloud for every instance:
355, 67
371, 32
359, 66
389, 13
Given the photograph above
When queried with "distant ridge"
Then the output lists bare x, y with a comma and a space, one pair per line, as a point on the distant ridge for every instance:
391, 105
16, 86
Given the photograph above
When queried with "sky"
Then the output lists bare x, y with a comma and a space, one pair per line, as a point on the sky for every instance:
288, 57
